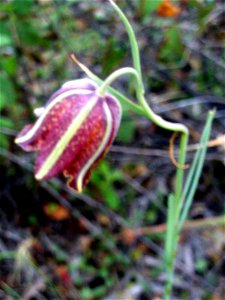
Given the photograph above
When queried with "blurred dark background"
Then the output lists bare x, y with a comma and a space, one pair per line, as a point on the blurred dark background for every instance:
56, 244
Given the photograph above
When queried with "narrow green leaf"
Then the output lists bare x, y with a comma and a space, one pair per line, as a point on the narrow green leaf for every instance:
7, 91
196, 168
170, 227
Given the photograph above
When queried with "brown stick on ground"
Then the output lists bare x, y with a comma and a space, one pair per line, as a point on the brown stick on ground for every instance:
194, 224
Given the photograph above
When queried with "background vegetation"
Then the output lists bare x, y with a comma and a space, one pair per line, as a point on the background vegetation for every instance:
107, 243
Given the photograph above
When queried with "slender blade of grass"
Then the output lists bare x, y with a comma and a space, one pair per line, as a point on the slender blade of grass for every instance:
195, 171
170, 227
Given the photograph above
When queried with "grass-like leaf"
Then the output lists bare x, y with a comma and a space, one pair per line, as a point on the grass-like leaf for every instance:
195, 171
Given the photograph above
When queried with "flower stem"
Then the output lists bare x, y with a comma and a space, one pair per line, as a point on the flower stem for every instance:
124, 100
158, 120
112, 77
175, 200
132, 38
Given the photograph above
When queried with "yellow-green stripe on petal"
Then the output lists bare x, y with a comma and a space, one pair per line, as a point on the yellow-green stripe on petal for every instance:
103, 144
65, 139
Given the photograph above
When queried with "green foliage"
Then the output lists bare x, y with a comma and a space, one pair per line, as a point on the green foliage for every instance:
203, 12
107, 262
16, 7
88, 293
8, 64
6, 37
201, 265
83, 42
8, 93
5, 123
104, 179
151, 216
172, 48
33, 220
146, 7
28, 34
126, 131
11, 292
112, 56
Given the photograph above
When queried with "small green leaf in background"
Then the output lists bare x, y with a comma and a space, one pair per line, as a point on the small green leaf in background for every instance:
172, 48
84, 42
27, 33
201, 265
86, 293
8, 64
5, 40
7, 91
104, 178
5, 34
147, 7
6, 123
111, 197
4, 139
126, 131
115, 52
20, 8
203, 12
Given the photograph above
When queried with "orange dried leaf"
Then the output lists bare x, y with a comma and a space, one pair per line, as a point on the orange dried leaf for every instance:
168, 9
56, 212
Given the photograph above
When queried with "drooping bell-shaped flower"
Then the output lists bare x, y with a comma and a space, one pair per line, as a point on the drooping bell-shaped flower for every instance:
73, 132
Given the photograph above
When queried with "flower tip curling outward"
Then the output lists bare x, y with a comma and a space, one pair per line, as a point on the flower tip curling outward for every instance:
73, 132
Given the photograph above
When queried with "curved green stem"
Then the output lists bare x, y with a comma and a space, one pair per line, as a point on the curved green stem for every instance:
175, 201
132, 38
158, 120
124, 100
114, 76
148, 111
